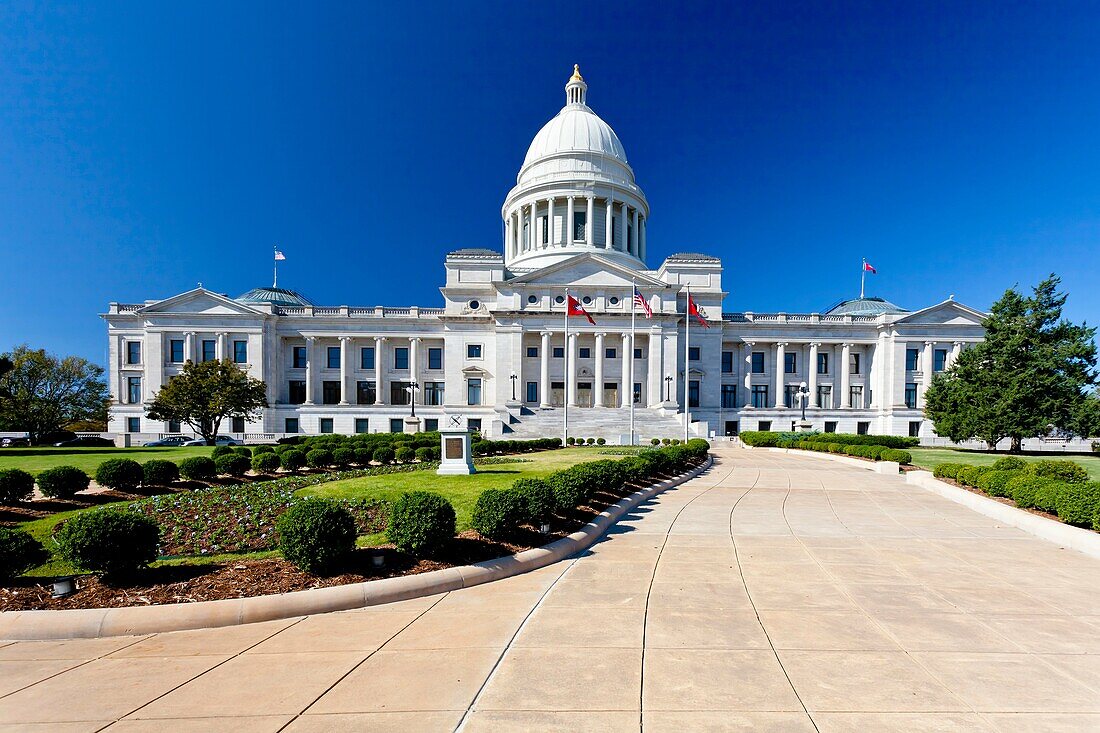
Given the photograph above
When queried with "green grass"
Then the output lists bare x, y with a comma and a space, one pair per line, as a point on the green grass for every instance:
34, 460
931, 457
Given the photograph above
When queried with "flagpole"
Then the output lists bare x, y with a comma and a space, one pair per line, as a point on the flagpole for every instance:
687, 360
633, 317
565, 413
862, 277
275, 282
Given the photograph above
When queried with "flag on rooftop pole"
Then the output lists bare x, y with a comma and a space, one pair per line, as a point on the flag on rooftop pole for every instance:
641, 302
693, 310
576, 309
278, 256
863, 276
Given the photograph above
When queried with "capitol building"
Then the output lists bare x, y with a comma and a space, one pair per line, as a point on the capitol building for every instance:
494, 354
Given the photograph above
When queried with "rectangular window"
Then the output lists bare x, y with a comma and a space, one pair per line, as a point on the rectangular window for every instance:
693, 393
559, 352
401, 357
532, 392
584, 352
237, 425
693, 353
431, 424
240, 352
532, 352
397, 425
758, 362
133, 352
855, 395
173, 426
545, 229
435, 358
133, 390
473, 351
912, 356
473, 391
366, 357
764, 426
939, 360
333, 360
914, 429
362, 425
825, 396
863, 428
580, 218
209, 350
610, 354
830, 426
433, 393
637, 395
296, 391
474, 424
854, 363
330, 392
822, 363
731, 427
365, 393
911, 395
638, 354
299, 359
727, 362
759, 395
790, 363
729, 396
326, 425
133, 425
175, 351
399, 393
290, 425
790, 395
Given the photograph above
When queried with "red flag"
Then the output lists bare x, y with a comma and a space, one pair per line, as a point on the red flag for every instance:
575, 309
867, 268
693, 310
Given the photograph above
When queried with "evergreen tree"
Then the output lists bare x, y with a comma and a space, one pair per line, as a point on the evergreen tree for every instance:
204, 394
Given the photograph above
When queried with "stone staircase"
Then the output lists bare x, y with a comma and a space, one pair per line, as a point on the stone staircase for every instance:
610, 423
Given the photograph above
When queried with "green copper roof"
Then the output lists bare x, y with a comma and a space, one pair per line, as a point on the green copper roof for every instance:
864, 307
274, 296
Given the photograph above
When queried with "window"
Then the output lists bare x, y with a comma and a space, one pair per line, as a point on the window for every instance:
758, 362
209, 350
299, 359
240, 352
473, 351
433, 393
545, 229
290, 425
727, 362
822, 363
435, 358
853, 363
693, 393
584, 352
830, 426
326, 425
173, 426
637, 394
133, 390
362, 425
939, 360
399, 393
790, 395
610, 354
764, 426
863, 428
914, 429
638, 354
175, 351
366, 357
474, 423
133, 352
693, 353
431, 424
790, 363
330, 392
365, 393
133, 425
559, 352
333, 353
532, 392
473, 391
237, 425
855, 396
911, 395
580, 219
532, 352
613, 300
729, 396
731, 427
296, 390
825, 396
401, 357
911, 358
397, 425
760, 395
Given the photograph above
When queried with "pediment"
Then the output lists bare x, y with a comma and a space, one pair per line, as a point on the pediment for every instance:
948, 312
199, 301
588, 271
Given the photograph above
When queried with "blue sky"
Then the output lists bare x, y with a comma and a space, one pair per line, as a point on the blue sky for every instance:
145, 147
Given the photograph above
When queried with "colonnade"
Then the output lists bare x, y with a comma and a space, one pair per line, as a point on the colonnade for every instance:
533, 226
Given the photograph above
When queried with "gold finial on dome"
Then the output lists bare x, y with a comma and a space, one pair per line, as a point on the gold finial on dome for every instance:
576, 73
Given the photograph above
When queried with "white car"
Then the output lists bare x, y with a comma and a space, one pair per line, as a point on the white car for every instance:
220, 440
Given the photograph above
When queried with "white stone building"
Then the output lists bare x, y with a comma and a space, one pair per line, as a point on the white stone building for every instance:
494, 353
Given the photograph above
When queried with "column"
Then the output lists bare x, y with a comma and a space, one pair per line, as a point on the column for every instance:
544, 352
379, 342
956, 349
598, 396
656, 370
189, 345
590, 220
641, 240
508, 237
780, 361
609, 230
845, 375
568, 238
550, 222
747, 397
811, 372
223, 346
571, 375
414, 365
627, 392
531, 238
622, 225
637, 235
311, 368
926, 370
345, 368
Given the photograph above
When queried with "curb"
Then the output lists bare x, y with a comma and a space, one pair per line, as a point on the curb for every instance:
91, 623
1075, 538
890, 468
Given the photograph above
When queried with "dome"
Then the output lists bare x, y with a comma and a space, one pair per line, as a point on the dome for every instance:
575, 129
864, 307
274, 296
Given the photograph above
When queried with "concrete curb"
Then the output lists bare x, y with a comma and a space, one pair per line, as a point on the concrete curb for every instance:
101, 622
1066, 535
890, 468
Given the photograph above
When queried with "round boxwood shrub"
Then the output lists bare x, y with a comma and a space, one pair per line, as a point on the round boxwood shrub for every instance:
292, 460
119, 473
243, 451
969, 475
319, 458
424, 454
363, 456
15, 485
158, 472
537, 497
232, 464
601, 441
115, 542
995, 483
62, 482
1046, 494
221, 450
497, 513
19, 552
342, 457
570, 440
1077, 504
263, 449
316, 534
198, 468
404, 454
947, 470
383, 455
1068, 471
1009, 463
1022, 488
421, 522
654, 441
265, 462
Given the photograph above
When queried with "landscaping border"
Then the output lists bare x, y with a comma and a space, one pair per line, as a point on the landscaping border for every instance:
89, 623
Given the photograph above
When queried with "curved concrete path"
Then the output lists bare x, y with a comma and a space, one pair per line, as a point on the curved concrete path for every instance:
774, 592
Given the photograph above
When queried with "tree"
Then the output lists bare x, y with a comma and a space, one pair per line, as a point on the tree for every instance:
1032, 374
204, 394
40, 392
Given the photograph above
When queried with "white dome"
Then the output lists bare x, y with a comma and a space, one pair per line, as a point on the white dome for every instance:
576, 129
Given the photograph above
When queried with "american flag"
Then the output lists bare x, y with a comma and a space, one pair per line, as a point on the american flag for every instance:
279, 255
640, 301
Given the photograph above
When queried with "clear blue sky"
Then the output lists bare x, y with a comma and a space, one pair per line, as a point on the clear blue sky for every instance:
145, 146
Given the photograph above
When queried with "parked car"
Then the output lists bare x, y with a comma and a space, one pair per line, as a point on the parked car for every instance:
172, 441
14, 442
85, 441
220, 440
58, 436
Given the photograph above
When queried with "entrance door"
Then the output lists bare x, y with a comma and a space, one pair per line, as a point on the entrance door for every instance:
731, 427
557, 394
584, 394
611, 394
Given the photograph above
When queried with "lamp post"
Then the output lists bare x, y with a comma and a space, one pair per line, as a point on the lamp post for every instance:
803, 397
668, 388
513, 377
413, 386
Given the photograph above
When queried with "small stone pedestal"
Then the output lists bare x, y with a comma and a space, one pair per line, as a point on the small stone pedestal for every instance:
412, 425
804, 427
456, 456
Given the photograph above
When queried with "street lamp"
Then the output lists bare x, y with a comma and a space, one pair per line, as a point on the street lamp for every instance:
668, 388
803, 397
513, 377
413, 386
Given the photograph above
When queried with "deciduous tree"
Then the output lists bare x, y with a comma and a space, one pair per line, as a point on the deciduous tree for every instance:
40, 393
205, 394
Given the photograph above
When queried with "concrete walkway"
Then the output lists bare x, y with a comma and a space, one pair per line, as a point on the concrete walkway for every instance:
774, 592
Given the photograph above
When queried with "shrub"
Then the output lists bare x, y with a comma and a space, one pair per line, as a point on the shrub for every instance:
537, 497
198, 468
1023, 488
343, 457
569, 489
1067, 471
62, 482
265, 462
902, 457
1009, 463
232, 464
1046, 494
19, 552
676, 441
404, 454
497, 513
835, 447
421, 522
221, 450
654, 441
570, 440
159, 472
591, 441
995, 483
243, 451
384, 455
363, 456
754, 438
1077, 504
947, 470
119, 473
292, 460
112, 541
15, 485
319, 458
601, 441
262, 449
666, 441
424, 454
316, 534
969, 475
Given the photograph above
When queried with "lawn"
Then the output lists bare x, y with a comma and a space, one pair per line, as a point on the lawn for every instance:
931, 457
34, 460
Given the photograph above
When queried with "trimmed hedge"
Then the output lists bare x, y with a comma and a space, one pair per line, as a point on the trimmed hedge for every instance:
787, 440
62, 482
198, 468
1024, 489
874, 452
122, 474
221, 450
158, 472
1009, 463
537, 497
232, 464
15, 485
500, 447
343, 457
265, 462
404, 454
319, 458
1078, 504
19, 552
316, 534
115, 542
948, 470
1067, 471
292, 459
1039, 485
995, 482
383, 455
498, 513
421, 522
